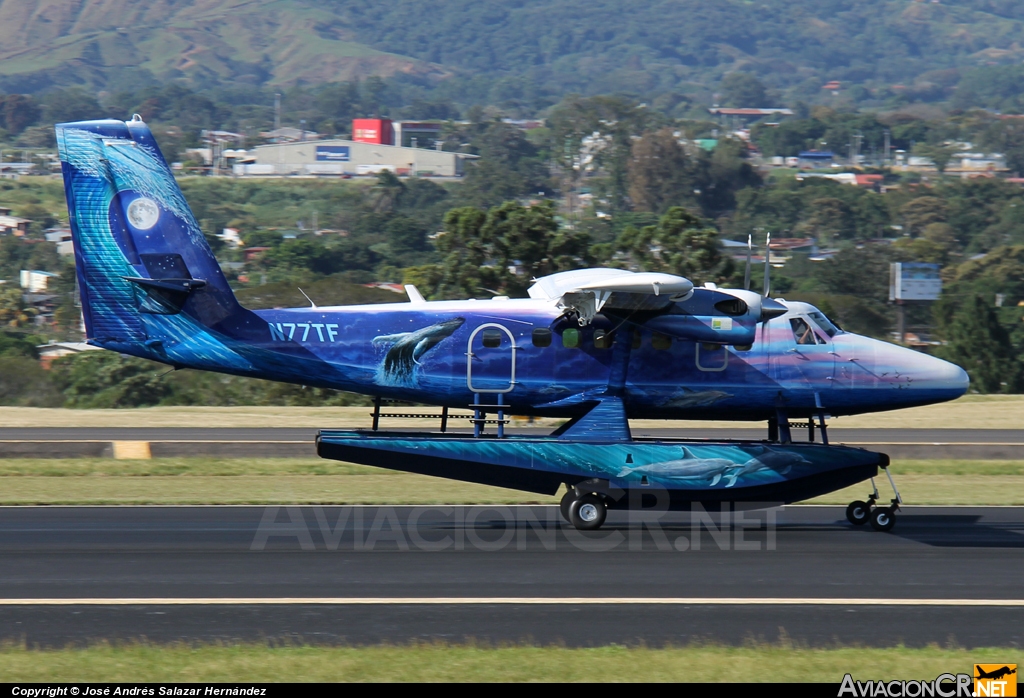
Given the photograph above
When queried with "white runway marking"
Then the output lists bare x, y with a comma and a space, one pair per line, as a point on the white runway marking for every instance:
506, 600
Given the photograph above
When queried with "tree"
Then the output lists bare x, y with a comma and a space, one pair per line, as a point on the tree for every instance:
500, 251
680, 244
743, 90
18, 112
936, 245
662, 175
939, 153
508, 168
831, 220
982, 347
921, 212
386, 192
596, 134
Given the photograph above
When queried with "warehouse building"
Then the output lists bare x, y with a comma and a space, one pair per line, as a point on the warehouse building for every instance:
372, 150
340, 157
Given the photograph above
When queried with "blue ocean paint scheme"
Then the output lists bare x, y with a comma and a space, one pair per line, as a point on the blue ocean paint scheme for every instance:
597, 346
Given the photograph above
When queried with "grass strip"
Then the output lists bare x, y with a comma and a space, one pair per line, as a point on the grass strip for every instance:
968, 412
455, 663
318, 481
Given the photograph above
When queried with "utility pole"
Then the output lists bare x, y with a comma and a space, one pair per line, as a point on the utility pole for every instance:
885, 153
277, 110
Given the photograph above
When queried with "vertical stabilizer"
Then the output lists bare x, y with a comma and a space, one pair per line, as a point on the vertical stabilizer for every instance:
140, 255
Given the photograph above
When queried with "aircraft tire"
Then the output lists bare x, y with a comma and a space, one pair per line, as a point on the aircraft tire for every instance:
588, 513
858, 513
883, 519
563, 506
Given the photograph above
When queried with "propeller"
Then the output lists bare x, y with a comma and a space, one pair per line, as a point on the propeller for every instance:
746, 274
767, 267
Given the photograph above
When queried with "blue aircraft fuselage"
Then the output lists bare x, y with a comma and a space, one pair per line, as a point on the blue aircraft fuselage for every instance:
151, 287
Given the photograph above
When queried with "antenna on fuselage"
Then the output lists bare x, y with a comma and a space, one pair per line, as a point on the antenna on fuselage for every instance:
307, 297
767, 267
746, 274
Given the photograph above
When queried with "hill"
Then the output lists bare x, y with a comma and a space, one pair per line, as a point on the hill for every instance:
508, 50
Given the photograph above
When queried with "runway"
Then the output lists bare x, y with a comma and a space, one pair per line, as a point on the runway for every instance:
509, 574
85, 442
836, 435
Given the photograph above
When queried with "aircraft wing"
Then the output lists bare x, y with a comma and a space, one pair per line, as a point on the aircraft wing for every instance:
663, 303
588, 291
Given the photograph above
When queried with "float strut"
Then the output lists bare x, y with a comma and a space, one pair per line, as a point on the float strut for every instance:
822, 429
376, 413
444, 419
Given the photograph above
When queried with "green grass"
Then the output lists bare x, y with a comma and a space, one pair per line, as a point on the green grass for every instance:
442, 662
317, 481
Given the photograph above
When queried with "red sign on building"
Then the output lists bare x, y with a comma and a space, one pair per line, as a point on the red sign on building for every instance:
373, 131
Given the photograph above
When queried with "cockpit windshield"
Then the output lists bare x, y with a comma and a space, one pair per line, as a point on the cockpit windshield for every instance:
827, 326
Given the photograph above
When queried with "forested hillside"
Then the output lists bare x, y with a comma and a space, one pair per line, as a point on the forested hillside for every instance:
494, 50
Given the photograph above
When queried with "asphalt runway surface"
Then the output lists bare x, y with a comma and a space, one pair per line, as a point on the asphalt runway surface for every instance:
836, 435
357, 575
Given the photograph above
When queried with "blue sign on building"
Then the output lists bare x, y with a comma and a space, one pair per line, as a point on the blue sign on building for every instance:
332, 153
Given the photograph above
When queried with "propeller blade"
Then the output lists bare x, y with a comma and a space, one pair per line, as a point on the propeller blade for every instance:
746, 274
767, 267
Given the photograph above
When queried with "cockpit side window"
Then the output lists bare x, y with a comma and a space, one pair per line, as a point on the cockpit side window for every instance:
803, 333
827, 326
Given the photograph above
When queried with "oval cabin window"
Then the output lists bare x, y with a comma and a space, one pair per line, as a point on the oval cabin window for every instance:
492, 339
541, 337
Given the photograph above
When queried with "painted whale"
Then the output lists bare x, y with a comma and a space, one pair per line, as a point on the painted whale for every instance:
407, 348
686, 468
688, 397
779, 461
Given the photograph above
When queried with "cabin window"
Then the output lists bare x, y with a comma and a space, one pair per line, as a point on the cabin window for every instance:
802, 332
603, 340
636, 339
541, 337
743, 347
709, 346
492, 339
570, 338
661, 342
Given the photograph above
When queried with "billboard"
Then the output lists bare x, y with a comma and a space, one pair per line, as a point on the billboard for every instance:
914, 281
332, 153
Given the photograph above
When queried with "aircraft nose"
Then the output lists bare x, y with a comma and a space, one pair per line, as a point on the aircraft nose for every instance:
943, 375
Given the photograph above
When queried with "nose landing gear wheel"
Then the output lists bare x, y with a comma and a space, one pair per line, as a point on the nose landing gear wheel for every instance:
858, 512
587, 513
883, 519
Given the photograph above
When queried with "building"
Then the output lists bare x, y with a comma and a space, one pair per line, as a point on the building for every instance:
816, 158
417, 134
287, 134
55, 350
342, 157
62, 238
377, 131
35, 281
12, 225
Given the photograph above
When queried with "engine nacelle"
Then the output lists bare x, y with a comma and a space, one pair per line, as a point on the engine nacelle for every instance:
716, 316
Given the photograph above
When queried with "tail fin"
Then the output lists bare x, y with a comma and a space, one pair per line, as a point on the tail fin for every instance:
139, 252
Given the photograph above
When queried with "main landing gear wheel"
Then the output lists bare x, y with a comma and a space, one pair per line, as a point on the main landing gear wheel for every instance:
883, 519
858, 512
567, 500
587, 513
